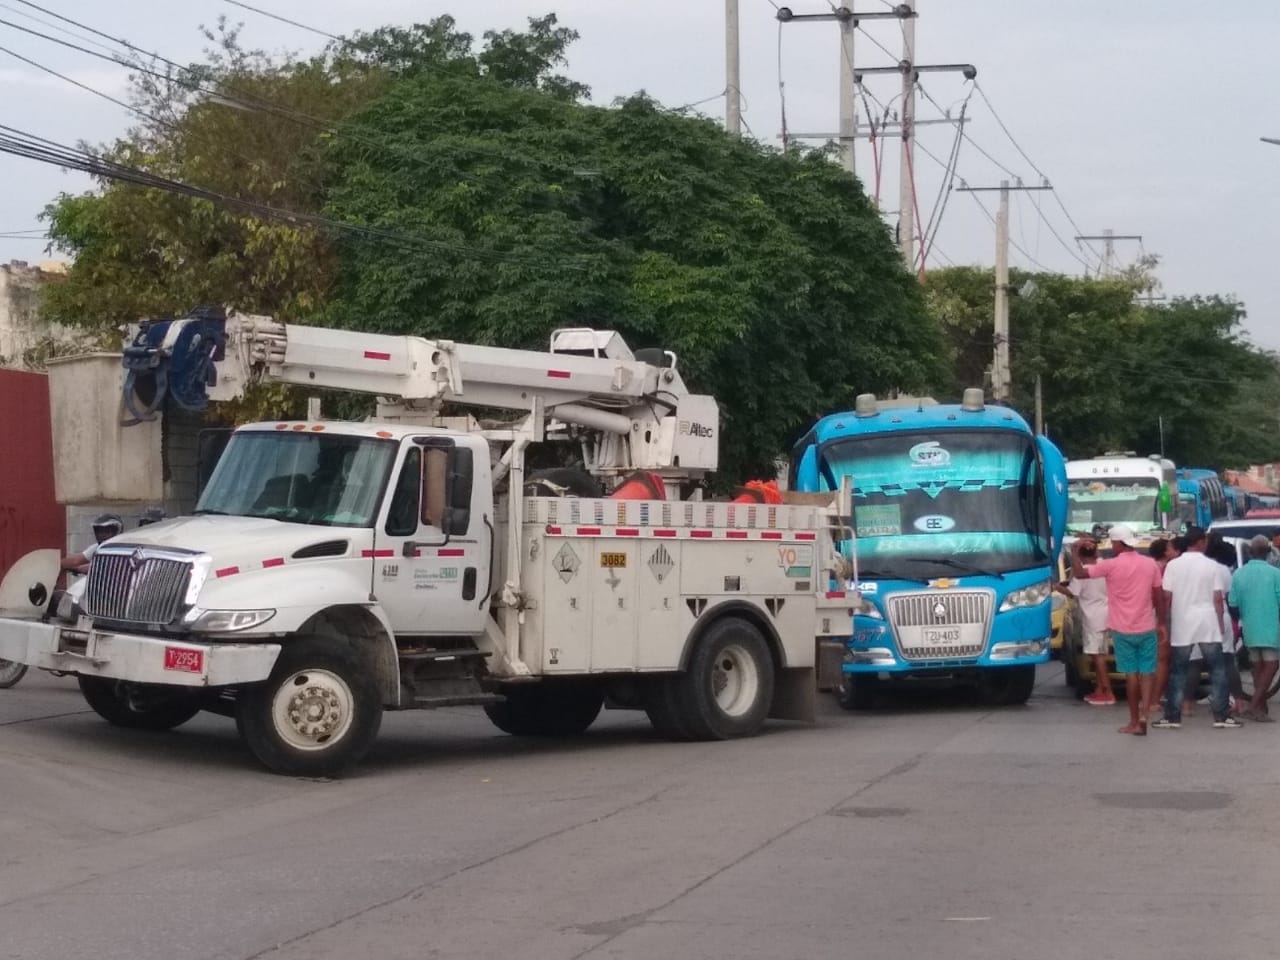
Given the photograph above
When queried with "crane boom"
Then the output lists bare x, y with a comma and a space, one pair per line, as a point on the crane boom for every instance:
639, 413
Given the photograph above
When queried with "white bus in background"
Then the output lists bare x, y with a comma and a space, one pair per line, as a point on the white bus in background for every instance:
1120, 488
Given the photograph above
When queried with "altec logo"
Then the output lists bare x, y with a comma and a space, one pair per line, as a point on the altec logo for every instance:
691, 428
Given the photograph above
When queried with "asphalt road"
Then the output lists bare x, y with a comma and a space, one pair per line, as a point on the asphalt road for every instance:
929, 828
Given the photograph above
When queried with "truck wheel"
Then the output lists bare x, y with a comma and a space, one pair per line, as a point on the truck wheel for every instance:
316, 715
664, 712
549, 709
857, 692
728, 686
138, 706
11, 673
1006, 686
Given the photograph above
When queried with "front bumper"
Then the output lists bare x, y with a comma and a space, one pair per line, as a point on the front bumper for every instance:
133, 657
872, 650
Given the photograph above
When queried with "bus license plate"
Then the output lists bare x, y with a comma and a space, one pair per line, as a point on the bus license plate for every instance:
935, 635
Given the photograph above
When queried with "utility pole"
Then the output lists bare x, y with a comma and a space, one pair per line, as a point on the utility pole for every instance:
906, 165
1001, 375
732, 73
1109, 238
848, 20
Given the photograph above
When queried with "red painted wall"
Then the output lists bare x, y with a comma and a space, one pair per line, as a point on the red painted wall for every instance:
29, 517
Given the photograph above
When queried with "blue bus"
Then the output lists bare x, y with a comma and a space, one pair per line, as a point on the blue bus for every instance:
959, 511
1202, 499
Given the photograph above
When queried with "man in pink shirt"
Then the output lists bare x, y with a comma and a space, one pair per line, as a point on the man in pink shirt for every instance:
1135, 608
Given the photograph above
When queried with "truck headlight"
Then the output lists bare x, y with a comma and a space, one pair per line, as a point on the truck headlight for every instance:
1030, 596
229, 621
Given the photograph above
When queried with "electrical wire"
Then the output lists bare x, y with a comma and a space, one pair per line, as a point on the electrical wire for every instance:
280, 19
51, 25
877, 157
945, 188
20, 143
1030, 259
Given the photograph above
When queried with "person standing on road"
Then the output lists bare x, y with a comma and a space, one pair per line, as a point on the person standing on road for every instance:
1162, 551
1193, 592
1091, 595
1135, 608
1273, 555
1255, 603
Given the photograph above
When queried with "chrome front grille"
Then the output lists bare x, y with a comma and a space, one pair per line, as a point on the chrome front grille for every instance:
941, 625
136, 588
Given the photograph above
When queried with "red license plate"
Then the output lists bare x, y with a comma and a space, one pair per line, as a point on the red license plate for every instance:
184, 660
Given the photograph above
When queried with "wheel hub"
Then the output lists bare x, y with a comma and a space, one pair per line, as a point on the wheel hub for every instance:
313, 709
735, 680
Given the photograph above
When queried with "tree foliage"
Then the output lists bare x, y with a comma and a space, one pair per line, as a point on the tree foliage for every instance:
508, 208
1116, 372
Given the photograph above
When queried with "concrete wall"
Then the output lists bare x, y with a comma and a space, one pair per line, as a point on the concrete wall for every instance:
20, 325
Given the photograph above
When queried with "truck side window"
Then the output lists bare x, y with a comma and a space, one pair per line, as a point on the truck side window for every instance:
402, 518
434, 487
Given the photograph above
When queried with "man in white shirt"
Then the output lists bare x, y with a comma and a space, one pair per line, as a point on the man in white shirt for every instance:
1193, 590
1091, 595
104, 528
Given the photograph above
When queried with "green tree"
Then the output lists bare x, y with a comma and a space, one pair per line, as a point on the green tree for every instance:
769, 273
1114, 370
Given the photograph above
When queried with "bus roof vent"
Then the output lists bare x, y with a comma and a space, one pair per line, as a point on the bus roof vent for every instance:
972, 399
864, 405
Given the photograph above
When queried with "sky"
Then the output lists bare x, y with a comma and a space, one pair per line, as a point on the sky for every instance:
1145, 115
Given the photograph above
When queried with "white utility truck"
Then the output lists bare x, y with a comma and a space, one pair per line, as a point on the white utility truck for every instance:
333, 570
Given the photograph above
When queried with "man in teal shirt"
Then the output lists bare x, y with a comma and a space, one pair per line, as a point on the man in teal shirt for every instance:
1255, 603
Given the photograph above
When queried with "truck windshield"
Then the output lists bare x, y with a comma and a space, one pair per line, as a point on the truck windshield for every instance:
325, 479
1128, 500
943, 503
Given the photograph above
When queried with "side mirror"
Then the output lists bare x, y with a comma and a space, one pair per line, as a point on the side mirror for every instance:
446, 485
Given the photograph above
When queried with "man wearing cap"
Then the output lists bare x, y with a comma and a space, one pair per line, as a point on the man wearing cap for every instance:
1255, 604
105, 527
1135, 608
1194, 592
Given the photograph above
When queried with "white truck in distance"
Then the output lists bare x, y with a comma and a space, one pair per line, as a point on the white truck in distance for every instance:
333, 570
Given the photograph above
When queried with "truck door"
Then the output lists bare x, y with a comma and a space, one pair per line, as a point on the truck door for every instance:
433, 541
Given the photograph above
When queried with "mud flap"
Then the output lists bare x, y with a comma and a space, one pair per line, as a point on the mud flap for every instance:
795, 695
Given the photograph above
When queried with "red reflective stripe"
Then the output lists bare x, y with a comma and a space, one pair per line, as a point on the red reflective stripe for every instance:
835, 594
451, 552
700, 534
377, 553
627, 532
737, 534
664, 533
588, 531
226, 572
806, 536
553, 531
771, 535
376, 355
558, 374
274, 562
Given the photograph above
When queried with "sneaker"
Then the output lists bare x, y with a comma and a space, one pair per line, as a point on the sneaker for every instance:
1100, 700
1163, 724
1231, 723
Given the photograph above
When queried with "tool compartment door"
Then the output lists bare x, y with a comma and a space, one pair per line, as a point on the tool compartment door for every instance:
614, 607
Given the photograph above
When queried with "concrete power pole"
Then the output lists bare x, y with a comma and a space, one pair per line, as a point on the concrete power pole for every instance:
1001, 373
732, 73
906, 175
848, 105
1109, 238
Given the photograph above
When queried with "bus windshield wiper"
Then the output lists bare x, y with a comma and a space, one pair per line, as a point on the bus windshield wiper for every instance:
958, 565
882, 575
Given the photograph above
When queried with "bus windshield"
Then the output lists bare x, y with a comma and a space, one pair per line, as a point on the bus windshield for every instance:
943, 503
1129, 500
326, 479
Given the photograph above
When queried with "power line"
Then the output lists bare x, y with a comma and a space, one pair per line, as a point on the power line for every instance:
1030, 259
51, 25
23, 144
278, 17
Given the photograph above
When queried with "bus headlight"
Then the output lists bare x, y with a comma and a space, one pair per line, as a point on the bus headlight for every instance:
1030, 596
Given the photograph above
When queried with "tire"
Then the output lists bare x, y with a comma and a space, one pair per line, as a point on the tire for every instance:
549, 709
137, 706
336, 687
727, 688
11, 673
663, 710
857, 692
561, 482
1006, 686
